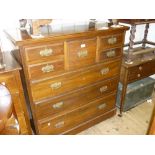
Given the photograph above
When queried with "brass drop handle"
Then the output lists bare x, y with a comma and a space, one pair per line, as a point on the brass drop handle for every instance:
58, 105
59, 124
47, 68
104, 71
56, 85
46, 52
103, 89
82, 54
111, 53
112, 40
102, 106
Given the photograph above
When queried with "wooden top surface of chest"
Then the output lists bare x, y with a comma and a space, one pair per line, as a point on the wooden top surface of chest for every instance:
22, 37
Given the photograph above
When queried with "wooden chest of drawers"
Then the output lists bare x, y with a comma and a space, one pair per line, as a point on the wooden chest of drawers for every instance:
71, 78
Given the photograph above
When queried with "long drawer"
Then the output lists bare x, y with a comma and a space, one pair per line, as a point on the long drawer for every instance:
74, 80
62, 104
68, 121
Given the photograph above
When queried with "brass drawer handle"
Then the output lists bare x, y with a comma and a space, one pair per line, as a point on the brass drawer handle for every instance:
58, 105
82, 54
60, 124
46, 52
138, 75
112, 40
111, 53
102, 106
104, 71
140, 68
56, 85
47, 68
103, 89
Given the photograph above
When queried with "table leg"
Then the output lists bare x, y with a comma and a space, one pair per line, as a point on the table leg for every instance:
145, 35
123, 94
131, 43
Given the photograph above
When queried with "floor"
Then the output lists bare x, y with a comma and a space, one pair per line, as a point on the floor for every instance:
133, 122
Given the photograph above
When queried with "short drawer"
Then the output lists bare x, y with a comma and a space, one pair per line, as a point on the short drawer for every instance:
74, 80
111, 41
81, 53
44, 52
109, 54
38, 71
68, 121
9, 81
141, 71
73, 100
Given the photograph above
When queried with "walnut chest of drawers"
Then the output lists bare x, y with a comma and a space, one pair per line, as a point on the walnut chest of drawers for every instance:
71, 78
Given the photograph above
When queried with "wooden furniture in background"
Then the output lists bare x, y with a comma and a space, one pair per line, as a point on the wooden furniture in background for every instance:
71, 78
10, 78
138, 62
8, 121
37, 23
129, 55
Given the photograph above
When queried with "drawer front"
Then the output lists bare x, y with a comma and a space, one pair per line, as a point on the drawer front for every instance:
68, 121
75, 80
81, 53
38, 71
141, 71
9, 81
63, 104
111, 41
44, 52
107, 55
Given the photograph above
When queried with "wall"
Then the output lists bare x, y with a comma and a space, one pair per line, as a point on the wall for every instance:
12, 24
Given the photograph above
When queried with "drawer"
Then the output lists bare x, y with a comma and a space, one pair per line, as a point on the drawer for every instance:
111, 41
107, 55
10, 82
74, 80
81, 53
141, 71
68, 102
43, 70
44, 52
70, 120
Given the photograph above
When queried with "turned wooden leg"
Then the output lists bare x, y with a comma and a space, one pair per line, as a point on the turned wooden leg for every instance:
131, 43
123, 94
145, 35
